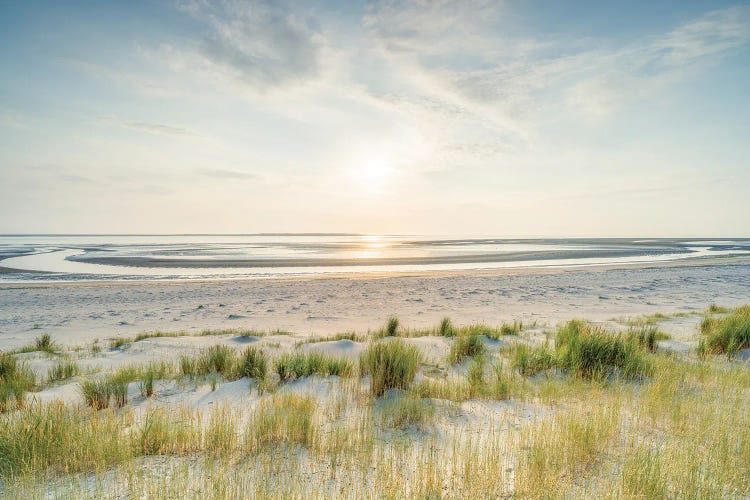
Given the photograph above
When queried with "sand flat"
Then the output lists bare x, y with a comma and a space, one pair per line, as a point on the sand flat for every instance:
79, 313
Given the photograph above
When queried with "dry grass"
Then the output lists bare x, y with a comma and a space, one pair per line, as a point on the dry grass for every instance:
682, 431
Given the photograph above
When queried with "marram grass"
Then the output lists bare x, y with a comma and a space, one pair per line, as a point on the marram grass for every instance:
680, 430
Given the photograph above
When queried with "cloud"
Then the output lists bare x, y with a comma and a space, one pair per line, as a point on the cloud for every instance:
260, 43
462, 58
158, 128
222, 173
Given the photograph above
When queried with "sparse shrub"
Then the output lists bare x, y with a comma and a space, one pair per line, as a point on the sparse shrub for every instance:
220, 438
446, 328
162, 432
63, 369
391, 328
217, 359
726, 335
502, 385
390, 364
466, 346
100, 393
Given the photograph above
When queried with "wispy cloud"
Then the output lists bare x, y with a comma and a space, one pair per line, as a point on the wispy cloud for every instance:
260, 43
158, 128
222, 173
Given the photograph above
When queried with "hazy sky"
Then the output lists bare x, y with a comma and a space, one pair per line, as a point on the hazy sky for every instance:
507, 118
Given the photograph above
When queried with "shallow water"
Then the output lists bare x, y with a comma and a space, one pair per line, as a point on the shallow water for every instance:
119, 257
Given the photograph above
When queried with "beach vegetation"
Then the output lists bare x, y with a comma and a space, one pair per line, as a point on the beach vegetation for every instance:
253, 363
725, 334
63, 369
390, 364
464, 346
447, 329
295, 365
406, 411
281, 419
16, 379
42, 343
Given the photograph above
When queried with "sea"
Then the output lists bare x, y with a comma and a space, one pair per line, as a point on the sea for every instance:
45, 258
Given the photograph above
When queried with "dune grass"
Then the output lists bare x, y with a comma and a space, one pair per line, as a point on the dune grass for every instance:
283, 419
294, 365
465, 346
43, 343
390, 329
407, 411
532, 360
646, 336
726, 334
447, 329
681, 432
354, 337
253, 363
483, 380
216, 359
391, 364
592, 352
63, 369
16, 379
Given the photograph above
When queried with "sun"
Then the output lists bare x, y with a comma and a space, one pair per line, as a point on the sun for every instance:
375, 169
373, 173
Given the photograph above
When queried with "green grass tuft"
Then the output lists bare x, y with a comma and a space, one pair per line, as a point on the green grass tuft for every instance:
726, 335
15, 381
304, 364
466, 346
63, 369
447, 329
253, 363
390, 364
591, 352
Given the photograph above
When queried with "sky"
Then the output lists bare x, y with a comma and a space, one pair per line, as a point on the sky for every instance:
503, 118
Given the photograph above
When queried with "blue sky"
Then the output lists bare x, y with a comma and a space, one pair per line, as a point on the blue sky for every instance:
515, 118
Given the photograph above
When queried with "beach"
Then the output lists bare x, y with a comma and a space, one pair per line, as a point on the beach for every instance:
184, 355
78, 313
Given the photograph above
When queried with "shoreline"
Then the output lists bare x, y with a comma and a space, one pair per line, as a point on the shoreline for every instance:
730, 260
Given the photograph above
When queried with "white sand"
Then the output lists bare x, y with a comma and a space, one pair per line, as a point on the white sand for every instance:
77, 314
